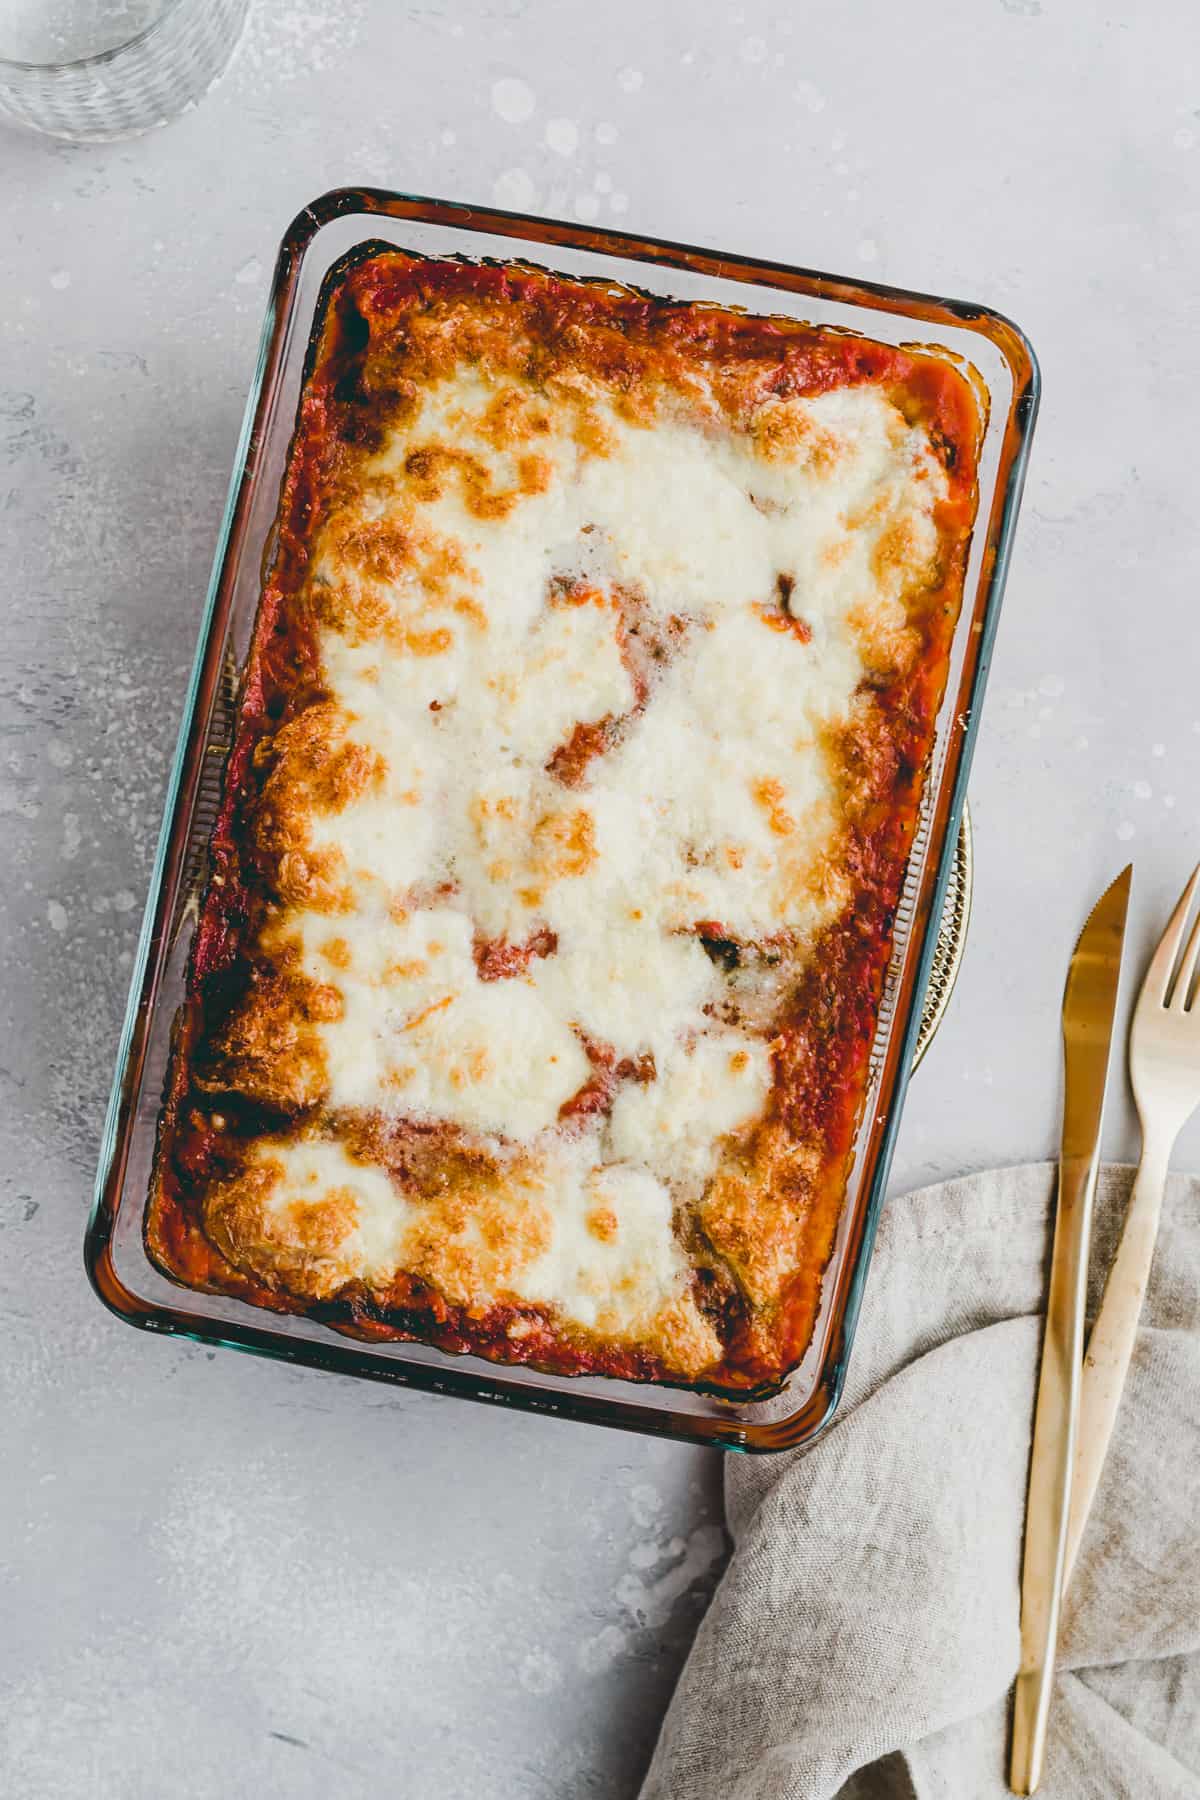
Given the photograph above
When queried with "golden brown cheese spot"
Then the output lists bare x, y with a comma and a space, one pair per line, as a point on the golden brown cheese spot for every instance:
476, 1067
321, 1226
479, 1232
872, 512
513, 417
403, 969
314, 879
336, 951
784, 431
898, 556
381, 548
864, 753
535, 474
295, 1245
564, 843
269, 1049
761, 1243
683, 1338
471, 609
825, 880
316, 768
888, 643
399, 551
602, 1223
427, 1012
593, 434
434, 468
414, 642
770, 795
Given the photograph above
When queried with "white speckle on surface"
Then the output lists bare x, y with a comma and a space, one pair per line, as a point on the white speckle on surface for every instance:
1125, 830
586, 206
868, 250
1184, 138
596, 1654
60, 279
1045, 712
56, 912
539, 1673
619, 202
630, 80
688, 58
810, 96
448, 139
1141, 790
1081, 742
513, 190
124, 901
249, 272
645, 1504
1168, 801
838, 141
294, 43
60, 754
603, 182
650, 1603
562, 135
606, 132
512, 100
1053, 686
753, 50
71, 837
1158, 749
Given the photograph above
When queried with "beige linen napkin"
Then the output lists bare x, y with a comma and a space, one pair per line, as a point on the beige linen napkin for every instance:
864, 1638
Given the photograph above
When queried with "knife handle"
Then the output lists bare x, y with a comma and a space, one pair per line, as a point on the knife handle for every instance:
1050, 1469
1114, 1335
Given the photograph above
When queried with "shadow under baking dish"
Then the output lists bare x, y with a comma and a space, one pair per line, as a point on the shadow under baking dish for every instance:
115, 1254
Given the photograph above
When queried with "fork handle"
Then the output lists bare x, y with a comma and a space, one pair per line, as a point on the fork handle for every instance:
1113, 1336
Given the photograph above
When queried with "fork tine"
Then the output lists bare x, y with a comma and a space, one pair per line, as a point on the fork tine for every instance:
1158, 976
1187, 968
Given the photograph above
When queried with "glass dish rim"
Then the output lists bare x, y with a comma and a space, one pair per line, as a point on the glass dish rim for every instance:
74, 65
997, 524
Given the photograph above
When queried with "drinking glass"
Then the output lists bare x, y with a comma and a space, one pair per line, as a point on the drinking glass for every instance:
98, 69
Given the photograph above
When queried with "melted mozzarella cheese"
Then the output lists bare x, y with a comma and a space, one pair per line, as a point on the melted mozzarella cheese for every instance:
603, 1255
420, 1034
703, 1091
614, 1261
316, 1176
716, 803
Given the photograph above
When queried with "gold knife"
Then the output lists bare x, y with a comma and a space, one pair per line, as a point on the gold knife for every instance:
1089, 1007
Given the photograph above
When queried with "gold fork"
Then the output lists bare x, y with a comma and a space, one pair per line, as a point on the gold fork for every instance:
1164, 1067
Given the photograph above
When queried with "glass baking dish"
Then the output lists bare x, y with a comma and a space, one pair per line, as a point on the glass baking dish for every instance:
119, 1268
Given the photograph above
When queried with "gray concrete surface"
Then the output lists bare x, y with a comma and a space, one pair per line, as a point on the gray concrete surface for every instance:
220, 1578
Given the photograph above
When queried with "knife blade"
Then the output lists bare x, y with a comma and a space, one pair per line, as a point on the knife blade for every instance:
1089, 1008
